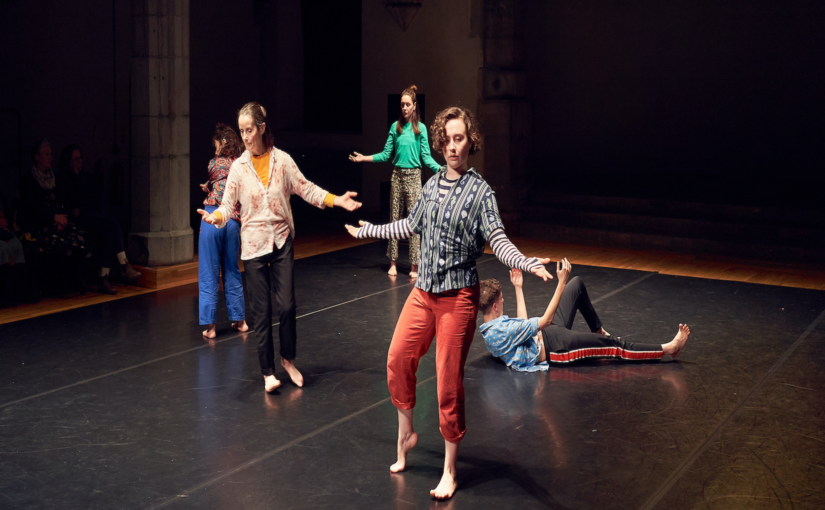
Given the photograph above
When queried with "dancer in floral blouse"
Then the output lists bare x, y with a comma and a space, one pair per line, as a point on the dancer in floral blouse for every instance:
262, 180
456, 215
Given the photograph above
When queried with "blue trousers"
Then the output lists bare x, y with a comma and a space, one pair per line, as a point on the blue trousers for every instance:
218, 252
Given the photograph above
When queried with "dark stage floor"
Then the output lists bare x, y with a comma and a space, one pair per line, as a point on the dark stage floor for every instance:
123, 405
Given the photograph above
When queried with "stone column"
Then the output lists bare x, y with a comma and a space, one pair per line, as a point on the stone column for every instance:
160, 133
503, 109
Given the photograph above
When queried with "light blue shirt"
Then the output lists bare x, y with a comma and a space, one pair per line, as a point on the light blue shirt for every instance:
515, 341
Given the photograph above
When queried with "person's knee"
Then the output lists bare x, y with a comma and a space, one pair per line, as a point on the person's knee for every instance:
576, 282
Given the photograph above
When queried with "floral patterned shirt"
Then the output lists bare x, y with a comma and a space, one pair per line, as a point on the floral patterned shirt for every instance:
266, 218
218, 172
515, 341
453, 231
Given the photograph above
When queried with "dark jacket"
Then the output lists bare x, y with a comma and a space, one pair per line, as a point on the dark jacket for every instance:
38, 206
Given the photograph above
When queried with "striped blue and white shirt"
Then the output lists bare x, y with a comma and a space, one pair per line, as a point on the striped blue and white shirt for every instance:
454, 230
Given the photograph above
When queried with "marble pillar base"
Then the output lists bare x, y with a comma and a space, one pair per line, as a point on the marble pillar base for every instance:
161, 248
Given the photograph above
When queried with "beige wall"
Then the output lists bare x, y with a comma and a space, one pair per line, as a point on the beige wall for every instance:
437, 53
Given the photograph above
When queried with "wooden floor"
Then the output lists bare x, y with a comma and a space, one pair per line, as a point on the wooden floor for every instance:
670, 263
306, 245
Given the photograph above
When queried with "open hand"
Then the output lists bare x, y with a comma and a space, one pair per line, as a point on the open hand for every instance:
353, 231
541, 272
563, 269
208, 218
516, 278
347, 202
357, 157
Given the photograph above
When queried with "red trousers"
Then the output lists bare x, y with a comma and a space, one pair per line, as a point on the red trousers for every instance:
451, 316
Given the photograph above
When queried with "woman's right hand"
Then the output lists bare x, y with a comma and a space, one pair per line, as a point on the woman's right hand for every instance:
208, 218
353, 231
62, 220
205, 187
357, 158
563, 269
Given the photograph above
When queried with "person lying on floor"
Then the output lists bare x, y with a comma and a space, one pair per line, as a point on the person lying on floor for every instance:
530, 345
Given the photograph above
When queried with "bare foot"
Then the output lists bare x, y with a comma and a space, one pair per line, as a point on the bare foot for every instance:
240, 327
405, 444
446, 487
270, 383
209, 332
674, 347
603, 332
414, 271
296, 376
392, 271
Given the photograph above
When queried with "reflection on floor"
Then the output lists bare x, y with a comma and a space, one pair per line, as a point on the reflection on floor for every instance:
123, 405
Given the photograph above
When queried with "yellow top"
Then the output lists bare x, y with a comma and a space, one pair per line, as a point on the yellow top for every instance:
261, 164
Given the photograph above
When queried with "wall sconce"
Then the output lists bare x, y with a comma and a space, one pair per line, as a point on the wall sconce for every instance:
403, 11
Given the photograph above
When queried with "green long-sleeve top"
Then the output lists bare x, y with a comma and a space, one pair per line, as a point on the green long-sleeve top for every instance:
407, 150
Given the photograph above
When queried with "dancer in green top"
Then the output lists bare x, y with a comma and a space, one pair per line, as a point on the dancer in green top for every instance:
409, 148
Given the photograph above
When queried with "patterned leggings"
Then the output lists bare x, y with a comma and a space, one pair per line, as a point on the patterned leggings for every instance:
405, 190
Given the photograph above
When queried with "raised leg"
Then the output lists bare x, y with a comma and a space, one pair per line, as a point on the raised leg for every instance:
284, 283
573, 299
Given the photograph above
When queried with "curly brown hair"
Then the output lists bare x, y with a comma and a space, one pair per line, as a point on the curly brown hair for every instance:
490, 292
439, 129
231, 144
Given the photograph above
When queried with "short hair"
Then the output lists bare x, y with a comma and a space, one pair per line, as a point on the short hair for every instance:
439, 128
258, 114
490, 292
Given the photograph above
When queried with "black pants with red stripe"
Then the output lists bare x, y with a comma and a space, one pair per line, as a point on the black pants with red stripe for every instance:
563, 345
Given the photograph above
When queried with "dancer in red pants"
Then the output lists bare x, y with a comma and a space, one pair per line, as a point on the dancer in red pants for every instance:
455, 216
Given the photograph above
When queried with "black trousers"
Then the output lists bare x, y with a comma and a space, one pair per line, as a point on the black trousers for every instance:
563, 345
106, 234
266, 275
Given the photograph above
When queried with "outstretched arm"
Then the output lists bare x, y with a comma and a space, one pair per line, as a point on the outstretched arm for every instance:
424, 147
517, 280
382, 156
396, 230
509, 255
563, 269
231, 195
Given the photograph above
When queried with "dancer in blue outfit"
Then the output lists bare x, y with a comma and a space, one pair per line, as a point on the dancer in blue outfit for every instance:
218, 249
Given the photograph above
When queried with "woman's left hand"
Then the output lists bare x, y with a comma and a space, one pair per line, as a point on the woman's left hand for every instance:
541, 272
205, 187
347, 202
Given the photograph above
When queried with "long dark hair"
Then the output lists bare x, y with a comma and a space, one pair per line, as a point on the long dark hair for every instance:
415, 117
231, 144
66, 157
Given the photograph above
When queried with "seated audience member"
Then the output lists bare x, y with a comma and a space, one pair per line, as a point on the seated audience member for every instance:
48, 233
83, 201
528, 345
12, 264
